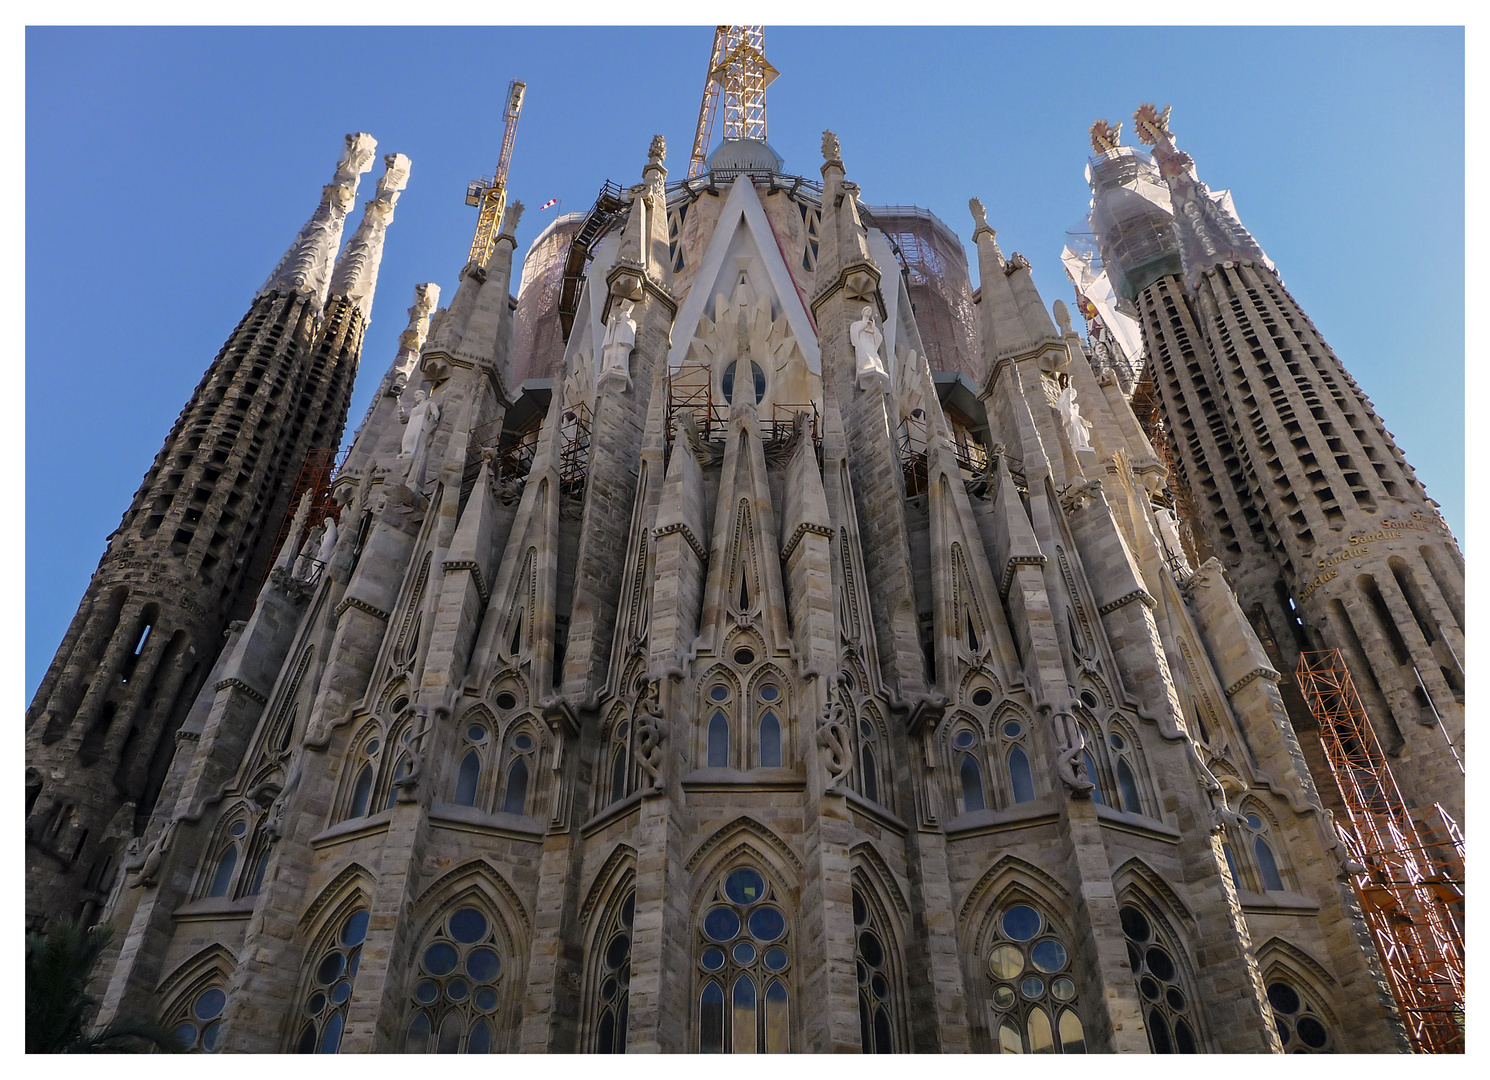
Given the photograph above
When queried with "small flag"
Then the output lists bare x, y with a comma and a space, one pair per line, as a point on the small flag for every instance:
550, 202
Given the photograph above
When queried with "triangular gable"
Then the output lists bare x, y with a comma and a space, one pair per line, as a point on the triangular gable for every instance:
742, 208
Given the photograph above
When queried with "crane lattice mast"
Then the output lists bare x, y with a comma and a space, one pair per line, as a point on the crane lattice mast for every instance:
739, 74
490, 192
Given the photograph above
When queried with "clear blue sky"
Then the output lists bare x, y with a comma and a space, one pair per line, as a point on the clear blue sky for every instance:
167, 169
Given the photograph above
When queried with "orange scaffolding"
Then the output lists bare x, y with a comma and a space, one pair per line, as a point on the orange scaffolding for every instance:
690, 389
1411, 884
315, 477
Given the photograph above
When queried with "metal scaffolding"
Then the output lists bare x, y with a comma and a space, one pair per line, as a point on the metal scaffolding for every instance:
1411, 867
738, 74
938, 282
315, 477
690, 394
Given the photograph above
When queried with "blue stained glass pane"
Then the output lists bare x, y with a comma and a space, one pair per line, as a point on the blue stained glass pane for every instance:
483, 965
1020, 777
767, 924
744, 952
972, 785
257, 881
330, 969
468, 925
1049, 955
211, 1036
418, 1038
439, 959
711, 1020
426, 991
1271, 879
718, 741
187, 1035
486, 999
776, 959
210, 1004
480, 1040
770, 741
517, 788
745, 886
361, 792
223, 877
331, 1040
721, 924
355, 929
1128, 788
465, 782
341, 991
713, 959
1021, 922
458, 989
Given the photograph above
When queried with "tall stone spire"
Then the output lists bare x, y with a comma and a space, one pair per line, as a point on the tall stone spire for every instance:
356, 273
306, 266
1205, 224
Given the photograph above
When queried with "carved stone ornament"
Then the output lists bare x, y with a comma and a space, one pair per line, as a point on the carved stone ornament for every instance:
832, 152
649, 734
1062, 317
657, 152
833, 736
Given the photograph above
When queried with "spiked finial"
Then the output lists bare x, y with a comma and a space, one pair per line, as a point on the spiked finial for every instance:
657, 152
509, 223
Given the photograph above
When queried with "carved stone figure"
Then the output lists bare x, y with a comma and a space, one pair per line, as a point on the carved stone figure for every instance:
867, 339
620, 339
275, 825
305, 568
420, 417
1069, 765
328, 541
1169, 532
831, 149
649, 735
1076, 427
147, 863
657, 151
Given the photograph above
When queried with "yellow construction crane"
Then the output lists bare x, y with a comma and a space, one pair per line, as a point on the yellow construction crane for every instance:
490, 192
739, 73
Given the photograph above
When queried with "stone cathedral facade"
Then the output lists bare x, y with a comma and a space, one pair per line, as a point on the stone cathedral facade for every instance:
751, 687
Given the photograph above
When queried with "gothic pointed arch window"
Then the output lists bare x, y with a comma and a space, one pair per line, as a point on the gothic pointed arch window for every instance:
1012, 734
330, 976
361, 774
1123, 750
1304, 1027
474, 752
719, 705
872, 773
1264, 855
1165, 988
877, 969
458, 983
619, 767
610, 973
519, 770
195, 1017
743, 960
770, 735
227, 855
1033, 993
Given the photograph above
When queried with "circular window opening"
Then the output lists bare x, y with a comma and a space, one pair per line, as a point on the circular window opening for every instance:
769, 693
506, 701
727, 384
744, 656
719, 693
1089, 699
982, 696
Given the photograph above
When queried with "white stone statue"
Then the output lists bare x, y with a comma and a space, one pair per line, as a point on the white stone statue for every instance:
620, 339
419, 417
867, 339
304, 569
1076, 427
328, 541
1169, 531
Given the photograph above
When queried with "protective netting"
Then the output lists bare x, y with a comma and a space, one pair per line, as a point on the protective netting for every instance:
939, 284
1131, 217
1116, 335
537, 336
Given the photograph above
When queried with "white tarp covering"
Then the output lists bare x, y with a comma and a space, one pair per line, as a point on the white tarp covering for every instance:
1085, 268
